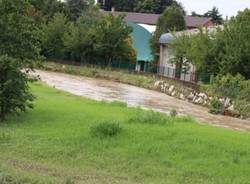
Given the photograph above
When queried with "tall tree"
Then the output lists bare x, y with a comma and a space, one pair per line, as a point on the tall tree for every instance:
235, 57
54, 31
113, 39
147, 6
215, 15
48, 8
77, 7
171, 20
19, 48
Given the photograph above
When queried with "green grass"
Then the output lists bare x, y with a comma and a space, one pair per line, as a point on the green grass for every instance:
53, 144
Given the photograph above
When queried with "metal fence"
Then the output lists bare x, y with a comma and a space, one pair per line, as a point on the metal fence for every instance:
186, 77
177, 74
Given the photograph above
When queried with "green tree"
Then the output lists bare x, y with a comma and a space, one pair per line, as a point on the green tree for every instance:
112, 39
80, 39
215, 15
147, 6
19, 48
77, 7
53, 43
48, 8
235, 54
14, 89
171, 20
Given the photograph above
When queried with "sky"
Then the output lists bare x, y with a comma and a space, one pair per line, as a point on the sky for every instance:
226, 7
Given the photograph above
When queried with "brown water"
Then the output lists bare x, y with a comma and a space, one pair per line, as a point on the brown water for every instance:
134, 96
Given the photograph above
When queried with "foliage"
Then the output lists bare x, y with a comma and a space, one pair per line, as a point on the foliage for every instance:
143, 6
19, 48
106, 129
221, 51
149, 117
236, 88
77, 7
14, 89
227, 85
171, 20
147, 6
236, 52
216, 107
53, 41
113, 40
243, 108
19, 36
215, 15
48, 8
173, 113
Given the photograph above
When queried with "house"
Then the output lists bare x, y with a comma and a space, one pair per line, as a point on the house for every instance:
166, 67
144, 25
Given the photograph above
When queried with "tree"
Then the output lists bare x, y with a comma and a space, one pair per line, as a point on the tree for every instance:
147, 6
19, 48
161, 5
171, 20
48, 8
235, 54
113, 39
19, 36
14, 89
53, 43
143, 6
77, 7
215, 15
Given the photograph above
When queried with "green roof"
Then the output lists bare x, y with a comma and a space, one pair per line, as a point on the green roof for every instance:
141, 42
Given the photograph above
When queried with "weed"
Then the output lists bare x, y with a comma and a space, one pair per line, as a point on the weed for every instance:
106, 129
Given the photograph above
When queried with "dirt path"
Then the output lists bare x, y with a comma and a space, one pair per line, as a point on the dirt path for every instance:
134, 96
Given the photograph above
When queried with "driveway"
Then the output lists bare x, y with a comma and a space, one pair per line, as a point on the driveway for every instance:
134, 96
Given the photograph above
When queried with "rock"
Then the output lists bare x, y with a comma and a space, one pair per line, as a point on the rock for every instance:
173, 93
199, 100
202, 95
231, 108
227, 102
190, 96
182, 96
157, 83
171, 89
222, 100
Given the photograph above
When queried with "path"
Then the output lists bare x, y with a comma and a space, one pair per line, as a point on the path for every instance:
134, 96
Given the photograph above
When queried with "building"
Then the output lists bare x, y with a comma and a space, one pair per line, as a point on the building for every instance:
144, 25
166, 67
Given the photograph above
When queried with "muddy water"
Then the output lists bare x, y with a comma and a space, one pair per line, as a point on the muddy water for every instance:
134, 96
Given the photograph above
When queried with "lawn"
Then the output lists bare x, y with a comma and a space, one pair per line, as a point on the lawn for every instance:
53, 143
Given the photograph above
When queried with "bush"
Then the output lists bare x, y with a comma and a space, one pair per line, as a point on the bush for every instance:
173, 113
106, 129
227, 86
149, 117
216, 107
14, 89
243, 108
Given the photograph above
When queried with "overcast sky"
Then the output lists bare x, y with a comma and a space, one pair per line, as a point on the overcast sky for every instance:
226, 7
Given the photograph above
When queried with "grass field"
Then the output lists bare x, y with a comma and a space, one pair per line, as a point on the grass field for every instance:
53, 143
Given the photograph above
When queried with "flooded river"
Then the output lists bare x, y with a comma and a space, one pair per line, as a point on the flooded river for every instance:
134, 96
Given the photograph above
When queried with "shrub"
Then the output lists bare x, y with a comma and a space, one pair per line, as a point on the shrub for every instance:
173, 112
227, 85
15, 95
243, 108
106, 129
216, 107
149, 117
